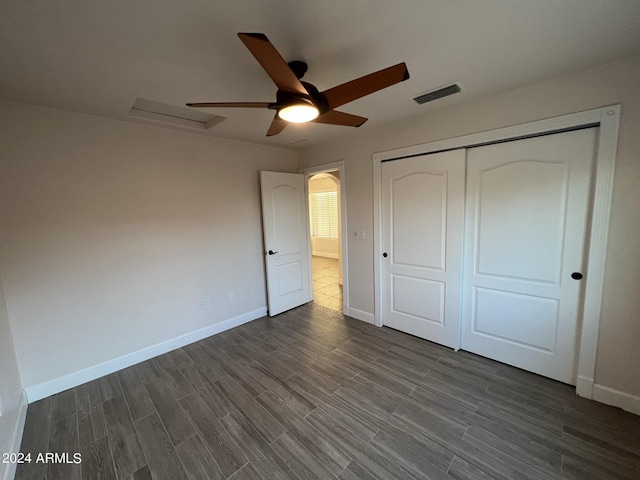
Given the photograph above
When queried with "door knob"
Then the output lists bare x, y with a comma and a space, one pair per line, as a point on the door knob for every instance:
271, 252
576, 275
385, 255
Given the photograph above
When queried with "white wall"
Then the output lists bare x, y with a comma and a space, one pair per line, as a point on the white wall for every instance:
113, 233
619, 82
10, 384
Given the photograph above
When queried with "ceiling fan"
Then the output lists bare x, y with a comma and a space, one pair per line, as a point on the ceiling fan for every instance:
298, 101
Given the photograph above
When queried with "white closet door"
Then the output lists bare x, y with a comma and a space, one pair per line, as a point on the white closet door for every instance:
526, 215
422, 217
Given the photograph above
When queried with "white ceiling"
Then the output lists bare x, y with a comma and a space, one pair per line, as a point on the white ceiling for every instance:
97, 56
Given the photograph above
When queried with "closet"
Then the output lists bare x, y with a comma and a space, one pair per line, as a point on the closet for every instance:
483, 248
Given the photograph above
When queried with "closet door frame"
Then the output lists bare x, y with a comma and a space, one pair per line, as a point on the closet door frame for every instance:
608, 119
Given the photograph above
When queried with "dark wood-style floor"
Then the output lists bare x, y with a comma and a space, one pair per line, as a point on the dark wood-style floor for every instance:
311, 394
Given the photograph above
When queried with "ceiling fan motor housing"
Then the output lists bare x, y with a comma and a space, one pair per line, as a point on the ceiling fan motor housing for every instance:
298, 68
315, 97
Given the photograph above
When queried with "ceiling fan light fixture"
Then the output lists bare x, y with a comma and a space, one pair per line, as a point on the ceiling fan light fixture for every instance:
299, 113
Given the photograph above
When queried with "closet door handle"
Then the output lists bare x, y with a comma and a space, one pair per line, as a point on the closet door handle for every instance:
385, 255
271, 252
576, 275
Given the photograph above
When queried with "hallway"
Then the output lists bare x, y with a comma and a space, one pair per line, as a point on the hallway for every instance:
327, 292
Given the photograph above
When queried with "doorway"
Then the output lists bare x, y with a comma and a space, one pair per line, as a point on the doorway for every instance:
325, 227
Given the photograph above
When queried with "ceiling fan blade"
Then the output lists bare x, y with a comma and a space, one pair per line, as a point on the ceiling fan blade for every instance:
347, 92
230, 104
277, 125
334, 117
272, 62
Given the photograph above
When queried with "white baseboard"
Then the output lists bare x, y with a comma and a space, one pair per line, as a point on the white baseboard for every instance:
324, 254
16, 438
57, 385
584, 387
616, 398
360, 315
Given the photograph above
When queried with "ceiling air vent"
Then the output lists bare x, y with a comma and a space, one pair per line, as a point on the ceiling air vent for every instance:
170, 114
299, 141
438, 93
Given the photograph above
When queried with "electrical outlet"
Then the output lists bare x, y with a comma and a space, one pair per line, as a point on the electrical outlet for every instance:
231, 296
205, 303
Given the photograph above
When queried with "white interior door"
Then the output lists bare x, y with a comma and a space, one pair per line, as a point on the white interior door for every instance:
286, 240
422, 219
526, 216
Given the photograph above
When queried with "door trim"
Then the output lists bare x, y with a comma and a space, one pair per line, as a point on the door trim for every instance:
332, 167
608, 119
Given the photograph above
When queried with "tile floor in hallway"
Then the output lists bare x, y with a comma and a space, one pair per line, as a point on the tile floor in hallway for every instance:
327, 292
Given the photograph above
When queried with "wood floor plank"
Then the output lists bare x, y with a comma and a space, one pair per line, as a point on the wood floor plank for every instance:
452, 388
449, 408
143, 474
519, 417
461, 470
540, 457
197, 376
364, 397
123, 438
322, 447
262, 420
109, 386
97, 461
619, 441
360, 420
63, 404
35, 436
221, 446
39, 473
355, 471
135, 393
63, 440
180, 358
248, 472
327, 384
257, 448
297, 402
175, 421
275, 365
527, 449
87, 395
402, 367
624, 464
198, 461
579, 469
497, 463
198, 353
235, 353
300, 460
217, 401
237, 373
158, 448
419, 455
173, 377
376, 462
146, 371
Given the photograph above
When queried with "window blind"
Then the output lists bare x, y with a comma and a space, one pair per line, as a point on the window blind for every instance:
324, 214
